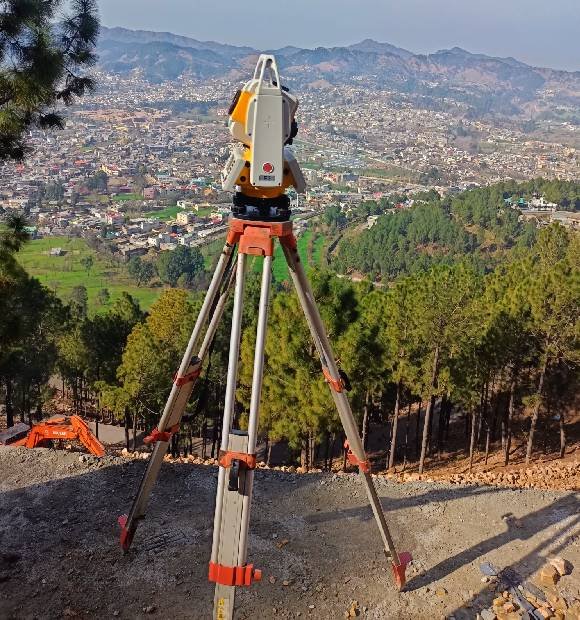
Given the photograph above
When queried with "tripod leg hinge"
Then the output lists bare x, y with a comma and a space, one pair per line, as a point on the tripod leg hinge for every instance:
336, 384
364, 466
227, 457
234, 575
157, 435
187, 378
399, 569
126, 537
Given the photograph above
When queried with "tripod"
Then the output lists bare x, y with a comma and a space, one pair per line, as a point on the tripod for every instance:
237, 457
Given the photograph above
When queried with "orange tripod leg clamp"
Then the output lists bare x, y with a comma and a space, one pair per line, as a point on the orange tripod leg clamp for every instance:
364, 466
157, 435
226, 458
336, 384
234, 575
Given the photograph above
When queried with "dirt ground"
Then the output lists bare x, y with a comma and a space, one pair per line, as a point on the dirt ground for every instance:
312, 535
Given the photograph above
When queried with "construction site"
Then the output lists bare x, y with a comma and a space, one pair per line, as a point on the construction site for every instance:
313, 536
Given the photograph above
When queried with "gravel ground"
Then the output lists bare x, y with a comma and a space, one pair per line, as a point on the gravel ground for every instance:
313, 536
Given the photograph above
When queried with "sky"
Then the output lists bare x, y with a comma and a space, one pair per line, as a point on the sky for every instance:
539, 32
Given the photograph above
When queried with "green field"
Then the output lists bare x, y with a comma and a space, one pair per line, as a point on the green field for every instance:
317, 251
165, 214
211, 251
62, 273
279, 268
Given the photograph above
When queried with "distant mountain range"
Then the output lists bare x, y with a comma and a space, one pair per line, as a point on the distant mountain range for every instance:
483, 84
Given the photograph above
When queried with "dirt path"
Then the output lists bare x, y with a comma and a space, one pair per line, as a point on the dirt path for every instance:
313, 536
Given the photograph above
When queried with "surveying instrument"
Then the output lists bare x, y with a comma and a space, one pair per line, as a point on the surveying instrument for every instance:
261, 167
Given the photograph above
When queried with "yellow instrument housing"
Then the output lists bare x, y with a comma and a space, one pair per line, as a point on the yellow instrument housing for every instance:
248, 189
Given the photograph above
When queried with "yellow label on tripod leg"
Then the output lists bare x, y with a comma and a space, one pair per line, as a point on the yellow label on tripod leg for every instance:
222, 609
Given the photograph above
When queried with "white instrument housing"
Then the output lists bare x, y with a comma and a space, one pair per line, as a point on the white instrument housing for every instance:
268, 123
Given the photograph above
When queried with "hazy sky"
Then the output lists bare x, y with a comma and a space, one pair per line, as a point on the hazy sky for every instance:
539, 32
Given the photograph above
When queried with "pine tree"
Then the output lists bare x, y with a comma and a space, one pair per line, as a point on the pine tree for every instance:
44, 65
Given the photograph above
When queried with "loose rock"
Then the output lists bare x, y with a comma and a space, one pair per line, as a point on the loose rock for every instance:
562, 566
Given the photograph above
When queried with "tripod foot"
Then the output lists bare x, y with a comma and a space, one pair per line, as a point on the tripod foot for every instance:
399, 569
126, 534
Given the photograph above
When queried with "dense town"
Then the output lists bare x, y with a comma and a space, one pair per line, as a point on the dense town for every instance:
139, 163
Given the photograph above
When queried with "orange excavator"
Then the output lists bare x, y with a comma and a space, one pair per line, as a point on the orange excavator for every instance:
64, 428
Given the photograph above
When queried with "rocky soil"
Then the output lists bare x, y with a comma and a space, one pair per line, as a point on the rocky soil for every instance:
479, 550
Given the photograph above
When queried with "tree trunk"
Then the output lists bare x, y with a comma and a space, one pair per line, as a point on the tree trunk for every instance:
331, 458
81, 401
135, 432
407, 432
546, 424
536, 412
495, 416
429, 410
8, 404
304, 455
508, 422
488, 426
269, 457
432, 404
127, 426
562, 423
448, 420
441, 424
418, 429
473, 437
483, 412
395, 425
38, 415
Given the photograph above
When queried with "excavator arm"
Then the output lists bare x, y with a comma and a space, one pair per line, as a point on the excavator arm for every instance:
86, 437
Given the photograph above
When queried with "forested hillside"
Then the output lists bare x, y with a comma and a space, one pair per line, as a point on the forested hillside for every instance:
478, 226
457, 356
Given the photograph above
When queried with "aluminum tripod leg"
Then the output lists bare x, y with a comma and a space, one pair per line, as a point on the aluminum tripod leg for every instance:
228, 566
331, 372
183, 384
